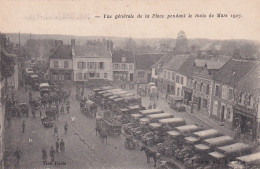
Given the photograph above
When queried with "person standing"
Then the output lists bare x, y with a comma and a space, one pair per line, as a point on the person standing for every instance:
150, 106
23, 125
55, 130
66, 127
68, 108
40, 112
62, 146
44, 155
33, 113
154, 105
62, 109
57, 145
52, 154
18, 154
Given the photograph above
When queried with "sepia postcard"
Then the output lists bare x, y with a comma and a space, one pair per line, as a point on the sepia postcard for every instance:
130, 84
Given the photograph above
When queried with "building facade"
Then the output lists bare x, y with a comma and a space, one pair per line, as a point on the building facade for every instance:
143, 66
123, 65
246, 105
92, 61
61, 67
224, 83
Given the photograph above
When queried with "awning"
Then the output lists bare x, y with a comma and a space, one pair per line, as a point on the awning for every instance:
187, 89
242, 110
53, 71
120, 72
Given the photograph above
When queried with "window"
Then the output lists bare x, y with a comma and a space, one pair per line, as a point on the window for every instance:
92, 65
85, 75
101, 65
105, 75
91, 75
207, 89
164, 74
205, 104
178, 91
224, 92
230, 94
131, 68
123, 66
81, 65
182, 80
195, 85
177, 79
66, 64
123, 59
169, 74
201, 86
217, 90
56, 64
173, 75
251, 101
79, 76
97, 75
140, 74
241, 98
116, 66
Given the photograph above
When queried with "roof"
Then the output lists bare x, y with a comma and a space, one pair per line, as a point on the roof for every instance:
187, 68
163, 60
215, 65
92, 50
250, 158
175, 62
147, 60
251, 80
118, 55
61, 52
233, 71
234, 148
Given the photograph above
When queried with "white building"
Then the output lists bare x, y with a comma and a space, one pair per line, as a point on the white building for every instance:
92, 61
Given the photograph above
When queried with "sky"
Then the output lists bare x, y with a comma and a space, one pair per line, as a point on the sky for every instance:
78, 17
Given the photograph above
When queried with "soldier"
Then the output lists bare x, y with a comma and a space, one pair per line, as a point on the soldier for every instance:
40, 112
68, 108
44, 155
66, 126
33, 113
154, 105
62, 146
150, 106
55, 130
62, 109
23, 125
18, 154
52, 154
57, 145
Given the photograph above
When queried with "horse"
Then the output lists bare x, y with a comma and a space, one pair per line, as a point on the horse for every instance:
149, 154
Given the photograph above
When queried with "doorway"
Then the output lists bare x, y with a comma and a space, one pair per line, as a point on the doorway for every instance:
199, 102
222, 113
131, 77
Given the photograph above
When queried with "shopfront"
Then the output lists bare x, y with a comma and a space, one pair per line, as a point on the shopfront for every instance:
187, 95
60, 75
245, 119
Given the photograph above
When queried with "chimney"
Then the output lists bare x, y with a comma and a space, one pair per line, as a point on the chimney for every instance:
111, 46
73, 43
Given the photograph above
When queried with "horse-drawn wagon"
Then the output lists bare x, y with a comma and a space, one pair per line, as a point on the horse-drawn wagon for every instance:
50, 116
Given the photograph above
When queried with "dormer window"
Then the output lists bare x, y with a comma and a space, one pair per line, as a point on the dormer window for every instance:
123, 59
